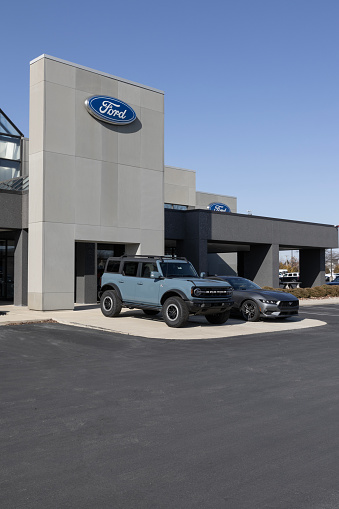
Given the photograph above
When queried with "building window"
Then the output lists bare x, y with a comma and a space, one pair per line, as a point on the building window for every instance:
10, 149
175, 206
9, 169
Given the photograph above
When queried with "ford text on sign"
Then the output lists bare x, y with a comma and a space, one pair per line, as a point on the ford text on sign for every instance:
110, 110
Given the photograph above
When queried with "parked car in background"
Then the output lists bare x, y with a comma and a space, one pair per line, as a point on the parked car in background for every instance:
292, 277
282, 272
253, 303
334, 282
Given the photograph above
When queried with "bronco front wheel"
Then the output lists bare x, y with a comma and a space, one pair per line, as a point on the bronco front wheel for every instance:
175, 312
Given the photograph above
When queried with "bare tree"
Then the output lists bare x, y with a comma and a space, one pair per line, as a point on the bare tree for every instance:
291, 265
332, 261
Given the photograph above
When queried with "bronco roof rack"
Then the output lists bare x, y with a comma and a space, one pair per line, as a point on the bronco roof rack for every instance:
155, 257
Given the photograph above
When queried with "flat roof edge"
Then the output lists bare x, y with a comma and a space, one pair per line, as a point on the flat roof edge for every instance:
178, 168
283, 219
215, 194
96, 72
231, 214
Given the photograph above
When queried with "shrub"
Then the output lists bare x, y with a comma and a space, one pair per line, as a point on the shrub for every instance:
333, 290
310, 293
301, 293
319, 291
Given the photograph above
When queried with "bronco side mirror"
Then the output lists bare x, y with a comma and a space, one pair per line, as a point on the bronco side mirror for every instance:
155, 274
203, 274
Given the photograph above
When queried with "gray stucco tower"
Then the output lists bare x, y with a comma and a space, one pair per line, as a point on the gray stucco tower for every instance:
89, 181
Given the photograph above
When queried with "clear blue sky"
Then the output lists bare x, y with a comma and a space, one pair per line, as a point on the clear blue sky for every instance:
251, 86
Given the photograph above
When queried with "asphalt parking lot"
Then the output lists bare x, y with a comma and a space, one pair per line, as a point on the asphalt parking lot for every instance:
100, 419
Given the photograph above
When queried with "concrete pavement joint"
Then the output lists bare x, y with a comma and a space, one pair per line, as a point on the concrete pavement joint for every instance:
94, 327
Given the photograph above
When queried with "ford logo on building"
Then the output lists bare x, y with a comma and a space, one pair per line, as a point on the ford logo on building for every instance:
110, 110
219, 207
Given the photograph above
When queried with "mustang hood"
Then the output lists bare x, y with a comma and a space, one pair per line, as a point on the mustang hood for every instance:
269, 294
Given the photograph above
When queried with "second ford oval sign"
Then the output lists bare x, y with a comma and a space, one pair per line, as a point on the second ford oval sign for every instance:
219, 207
110, 110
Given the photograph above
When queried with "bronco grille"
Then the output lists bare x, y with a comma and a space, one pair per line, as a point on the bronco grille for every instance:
211, 292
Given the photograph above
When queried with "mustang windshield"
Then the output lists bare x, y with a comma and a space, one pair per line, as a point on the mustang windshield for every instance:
243, 284
178, 269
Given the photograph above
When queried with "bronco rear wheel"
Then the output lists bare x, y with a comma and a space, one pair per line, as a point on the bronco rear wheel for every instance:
218, 318
175, 312
110, 303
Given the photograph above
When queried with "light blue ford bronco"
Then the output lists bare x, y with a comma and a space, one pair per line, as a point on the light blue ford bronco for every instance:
166, 284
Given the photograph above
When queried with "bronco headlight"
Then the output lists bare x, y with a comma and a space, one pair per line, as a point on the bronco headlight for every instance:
196, 292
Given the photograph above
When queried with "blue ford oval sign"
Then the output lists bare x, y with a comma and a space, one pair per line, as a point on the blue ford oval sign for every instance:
110, 110
219, 207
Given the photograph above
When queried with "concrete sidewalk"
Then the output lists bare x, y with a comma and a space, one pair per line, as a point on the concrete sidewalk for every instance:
135, 323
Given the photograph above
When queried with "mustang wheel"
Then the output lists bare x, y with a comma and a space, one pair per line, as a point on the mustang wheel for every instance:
250, 311
110, 303
218, 318
175, 312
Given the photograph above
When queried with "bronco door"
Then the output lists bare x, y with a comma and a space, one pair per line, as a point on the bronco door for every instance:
147, 288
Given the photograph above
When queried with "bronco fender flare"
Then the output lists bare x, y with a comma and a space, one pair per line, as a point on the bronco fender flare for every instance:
110, 286
173, 293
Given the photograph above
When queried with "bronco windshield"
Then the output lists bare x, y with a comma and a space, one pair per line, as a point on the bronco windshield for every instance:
178, 269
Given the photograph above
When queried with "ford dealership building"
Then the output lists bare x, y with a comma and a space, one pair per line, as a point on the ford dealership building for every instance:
91, 182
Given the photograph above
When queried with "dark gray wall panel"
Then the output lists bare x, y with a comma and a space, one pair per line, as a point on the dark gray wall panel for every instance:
21, 268
194, 229
261, 230
240, 228
312, 267
10, 209
261, 265
86, 272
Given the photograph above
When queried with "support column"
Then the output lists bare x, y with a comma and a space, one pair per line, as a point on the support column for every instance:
261, 264
85, 273
194, 245
312, 267
50, 266
21, 268
195, 250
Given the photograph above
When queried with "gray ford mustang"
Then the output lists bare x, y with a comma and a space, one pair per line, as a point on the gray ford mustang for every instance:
252, 302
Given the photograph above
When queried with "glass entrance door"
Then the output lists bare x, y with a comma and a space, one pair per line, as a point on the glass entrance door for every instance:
104, 251
6, 269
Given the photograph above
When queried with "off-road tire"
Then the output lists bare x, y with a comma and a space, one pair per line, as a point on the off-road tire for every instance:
110, 303
219, 318
175, 312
